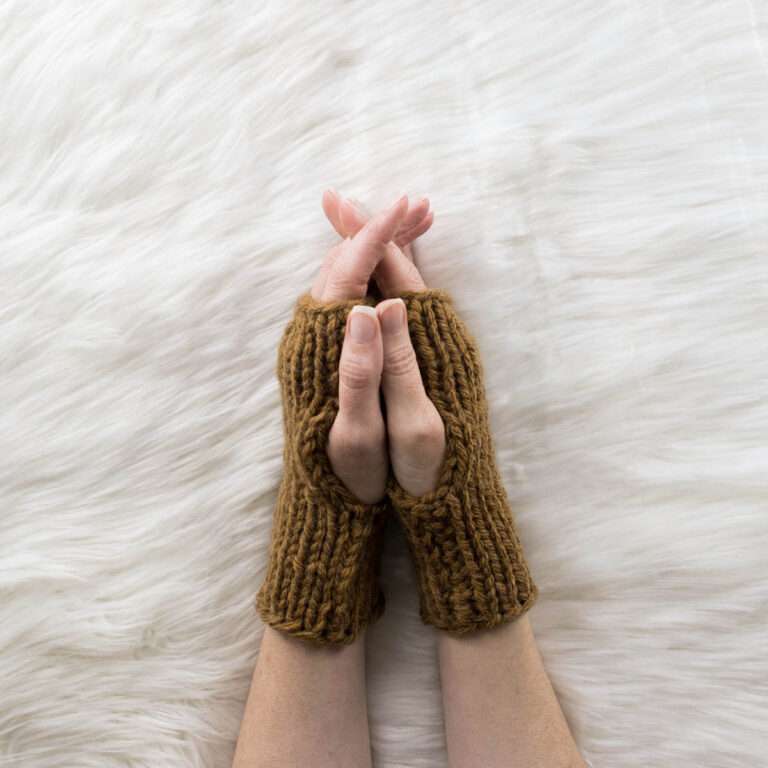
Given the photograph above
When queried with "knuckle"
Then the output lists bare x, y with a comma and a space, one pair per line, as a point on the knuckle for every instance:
352, 442
357, 373
331, 256
345, 285
424, 434
401, 360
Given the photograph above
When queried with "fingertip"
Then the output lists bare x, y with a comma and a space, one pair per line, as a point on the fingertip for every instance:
361, 364
414, 216
421, 228
363, 324
330, 206
329, 196
364, 309
382, 306
392, 316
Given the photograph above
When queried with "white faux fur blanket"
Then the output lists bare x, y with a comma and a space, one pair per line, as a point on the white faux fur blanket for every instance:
599, 170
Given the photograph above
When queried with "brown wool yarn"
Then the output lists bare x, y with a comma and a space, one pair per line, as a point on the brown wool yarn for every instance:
471, 569
321, 582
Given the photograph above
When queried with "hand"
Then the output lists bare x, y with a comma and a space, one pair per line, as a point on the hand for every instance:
378, 355
348, 218
393, 274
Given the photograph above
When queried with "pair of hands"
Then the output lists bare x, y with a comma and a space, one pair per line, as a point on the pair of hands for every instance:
377, 357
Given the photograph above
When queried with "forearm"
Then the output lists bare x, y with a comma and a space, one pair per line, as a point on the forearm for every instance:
307, 706
474, 580
499, 706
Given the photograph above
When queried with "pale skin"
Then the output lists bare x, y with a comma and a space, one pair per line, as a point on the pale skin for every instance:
307, 704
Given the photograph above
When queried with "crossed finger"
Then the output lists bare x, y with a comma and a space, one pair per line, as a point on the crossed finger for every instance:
395, 272
349, 266
348, 219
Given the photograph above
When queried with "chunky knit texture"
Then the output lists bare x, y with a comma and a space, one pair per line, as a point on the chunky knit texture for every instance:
321, 581
471, 569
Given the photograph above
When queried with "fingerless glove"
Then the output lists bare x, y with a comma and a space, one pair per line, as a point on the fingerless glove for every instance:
471, 569
321, 581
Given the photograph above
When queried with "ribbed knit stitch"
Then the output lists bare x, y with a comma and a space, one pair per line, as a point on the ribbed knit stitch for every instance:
321, 581
471, 569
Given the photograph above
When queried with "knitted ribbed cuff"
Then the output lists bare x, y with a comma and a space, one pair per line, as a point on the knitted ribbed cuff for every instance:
321, 581
469, 560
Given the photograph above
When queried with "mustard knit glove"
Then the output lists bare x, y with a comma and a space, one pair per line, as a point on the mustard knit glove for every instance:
321, 581
470, 564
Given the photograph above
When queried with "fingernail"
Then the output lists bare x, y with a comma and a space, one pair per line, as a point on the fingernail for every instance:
393, 317
362, 323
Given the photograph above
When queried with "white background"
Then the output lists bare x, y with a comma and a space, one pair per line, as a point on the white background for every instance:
599, 171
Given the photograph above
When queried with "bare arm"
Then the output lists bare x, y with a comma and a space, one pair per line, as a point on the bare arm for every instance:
500, 709
307, 706
499, 706
307, 703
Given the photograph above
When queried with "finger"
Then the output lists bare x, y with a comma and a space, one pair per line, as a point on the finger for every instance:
345, 216
330, 202
380, 229
397, 273
349, 275
352, 218
415, 213
348, 218
318, 286
406, 238
413, 219
416, 431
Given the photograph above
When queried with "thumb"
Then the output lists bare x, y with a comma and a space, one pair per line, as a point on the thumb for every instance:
415, 429
360, 365
401, 383
357, 440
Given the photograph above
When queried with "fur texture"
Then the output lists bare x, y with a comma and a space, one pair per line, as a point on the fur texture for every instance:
599, 171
